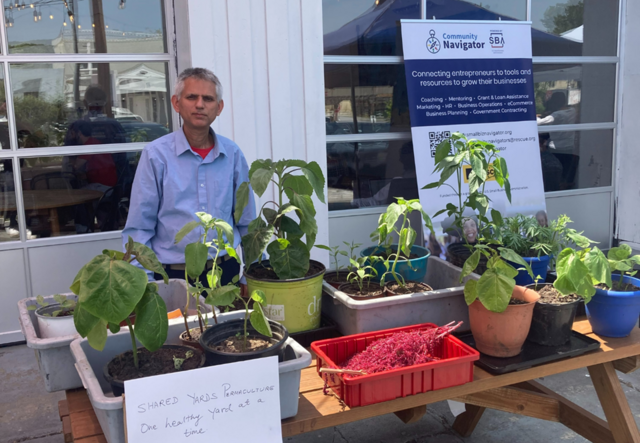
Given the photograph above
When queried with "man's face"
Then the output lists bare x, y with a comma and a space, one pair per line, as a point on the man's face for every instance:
198, 104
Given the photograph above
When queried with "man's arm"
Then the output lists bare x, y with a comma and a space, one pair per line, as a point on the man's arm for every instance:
146, 194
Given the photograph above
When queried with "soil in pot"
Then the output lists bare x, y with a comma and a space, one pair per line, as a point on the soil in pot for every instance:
235, 345
369, 291
553, 316
194, 340
335, 279
410, 287
267, 273
626, 287
122, 368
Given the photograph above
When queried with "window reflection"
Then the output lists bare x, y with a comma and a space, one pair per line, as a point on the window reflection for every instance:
576, 159
121, 102
477, 10
85, 26
77, 194
8, 210
365, 99
370, 174
568, 94
575, 27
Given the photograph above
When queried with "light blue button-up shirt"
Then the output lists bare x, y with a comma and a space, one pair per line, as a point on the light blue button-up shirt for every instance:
172, 183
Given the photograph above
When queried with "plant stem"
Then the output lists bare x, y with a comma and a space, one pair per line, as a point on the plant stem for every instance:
134, 348
185, 314
246, 317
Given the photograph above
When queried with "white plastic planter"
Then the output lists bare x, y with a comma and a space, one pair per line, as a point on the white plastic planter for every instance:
108, 408
50, 326
54, 357
442, 305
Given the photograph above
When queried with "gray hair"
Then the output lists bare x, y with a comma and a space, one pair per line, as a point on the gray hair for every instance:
200, 74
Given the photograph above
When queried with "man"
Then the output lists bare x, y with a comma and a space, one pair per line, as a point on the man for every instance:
190, 170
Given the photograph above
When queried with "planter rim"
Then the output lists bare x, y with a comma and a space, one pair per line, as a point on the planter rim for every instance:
207, 348
363, 297
540, 302
52, 307
324, 269
540, 258
620, 294
518, 306
395, 245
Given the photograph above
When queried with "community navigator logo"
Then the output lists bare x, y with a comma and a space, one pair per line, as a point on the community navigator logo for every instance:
433, 44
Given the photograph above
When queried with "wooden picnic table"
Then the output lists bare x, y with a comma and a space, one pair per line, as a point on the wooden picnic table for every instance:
516, 392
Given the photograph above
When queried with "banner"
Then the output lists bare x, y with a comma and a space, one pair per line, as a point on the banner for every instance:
475, 78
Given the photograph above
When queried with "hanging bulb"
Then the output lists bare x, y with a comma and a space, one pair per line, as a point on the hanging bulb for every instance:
17, 4
122, 4
51, 16
106, 26
31, 5
22, 6
70, 16
65, 23
35, 15
79, 27
40, 15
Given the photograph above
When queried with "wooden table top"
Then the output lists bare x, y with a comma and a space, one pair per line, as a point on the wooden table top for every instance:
49, 199
317, 410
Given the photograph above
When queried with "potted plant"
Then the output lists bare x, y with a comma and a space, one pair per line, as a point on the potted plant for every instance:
54, 319
483, 162
290, 280
234, 340
339, 276
614, 309
110, 289
402, 265
196, 255
360, 286
537, 244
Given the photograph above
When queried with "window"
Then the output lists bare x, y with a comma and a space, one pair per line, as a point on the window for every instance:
366, 108
77, 110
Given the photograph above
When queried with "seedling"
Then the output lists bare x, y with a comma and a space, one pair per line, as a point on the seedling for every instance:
333, 253
178, 362
406, 234
66, 305
362, 271
196, 255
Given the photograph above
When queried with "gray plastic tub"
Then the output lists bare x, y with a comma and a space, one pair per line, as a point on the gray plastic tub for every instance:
54, 357
442, 305
108, 408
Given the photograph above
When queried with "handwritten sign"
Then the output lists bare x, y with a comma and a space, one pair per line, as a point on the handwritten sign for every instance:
236, 402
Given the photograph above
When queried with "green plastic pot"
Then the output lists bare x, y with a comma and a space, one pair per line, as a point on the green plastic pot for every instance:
295, 303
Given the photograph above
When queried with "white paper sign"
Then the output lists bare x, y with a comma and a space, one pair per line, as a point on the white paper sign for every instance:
236, 402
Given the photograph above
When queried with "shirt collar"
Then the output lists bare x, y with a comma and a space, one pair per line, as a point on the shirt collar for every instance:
182, 145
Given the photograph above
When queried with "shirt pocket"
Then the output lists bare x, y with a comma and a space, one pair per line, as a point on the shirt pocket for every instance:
222, 197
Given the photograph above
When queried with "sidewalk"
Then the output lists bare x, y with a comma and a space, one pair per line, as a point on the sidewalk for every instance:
29, 414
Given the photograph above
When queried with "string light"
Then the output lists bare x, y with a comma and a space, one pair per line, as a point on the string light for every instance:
35, 15
40, 14
79, 27
51, 16
93, 25
31, 5
122, 4
22, 6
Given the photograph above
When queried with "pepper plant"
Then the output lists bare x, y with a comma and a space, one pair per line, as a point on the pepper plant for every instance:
406, 235
196, 255
362, 271
474, 162
578, 272
295, 181
110, 289
333, 254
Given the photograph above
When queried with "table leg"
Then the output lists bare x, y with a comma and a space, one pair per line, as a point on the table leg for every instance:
614, 403
55, 222
466, 422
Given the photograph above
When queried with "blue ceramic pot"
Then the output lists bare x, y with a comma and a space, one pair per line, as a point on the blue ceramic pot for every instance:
614, 313
419, 264
539, 266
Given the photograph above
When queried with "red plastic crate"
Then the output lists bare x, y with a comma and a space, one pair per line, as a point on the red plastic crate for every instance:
455, 368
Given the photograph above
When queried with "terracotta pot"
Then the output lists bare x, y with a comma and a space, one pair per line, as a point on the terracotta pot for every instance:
503, 334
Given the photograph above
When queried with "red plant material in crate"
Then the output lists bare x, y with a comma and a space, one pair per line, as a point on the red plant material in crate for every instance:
454, 367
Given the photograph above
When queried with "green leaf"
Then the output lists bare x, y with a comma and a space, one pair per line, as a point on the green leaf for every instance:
511, 256
259, 321
231, 252
223, 296
307, 213
114, 328
478, 167
505, 268
394, 211
270, 215
258, 296
110, 289
291, 163
442, 151
296, 184
77, 281
507, 189
431, 186
496, 217
621, 252
290, 262
148, 259
470, 264
598, 266
291, 228
152, 322
471, 291
195, 257
226, 228
260, 180
83, 320
242, 200
254, 243
573, 275
313, 172
256, 224
495, 289
97, 336
185, 230
118, 255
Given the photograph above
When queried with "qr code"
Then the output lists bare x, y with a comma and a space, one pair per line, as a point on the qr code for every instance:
437, 137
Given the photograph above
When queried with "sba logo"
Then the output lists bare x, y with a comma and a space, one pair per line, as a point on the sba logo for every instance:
496, 40
433, 44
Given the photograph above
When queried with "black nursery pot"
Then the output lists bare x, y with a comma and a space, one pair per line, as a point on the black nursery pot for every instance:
117, 386
218, 333
551, 324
